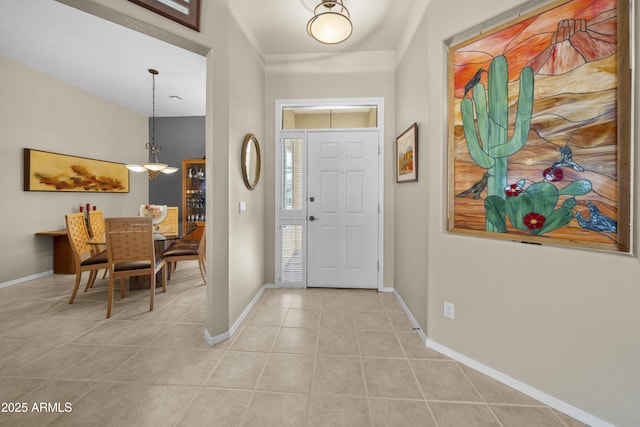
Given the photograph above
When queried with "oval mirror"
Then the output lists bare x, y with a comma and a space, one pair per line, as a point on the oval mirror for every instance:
251, 161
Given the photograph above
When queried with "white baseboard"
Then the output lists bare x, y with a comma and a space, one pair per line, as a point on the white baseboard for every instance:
532, 392
414, 323
26, 279
213, 340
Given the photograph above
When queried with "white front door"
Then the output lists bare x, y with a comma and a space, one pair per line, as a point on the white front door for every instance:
342, 209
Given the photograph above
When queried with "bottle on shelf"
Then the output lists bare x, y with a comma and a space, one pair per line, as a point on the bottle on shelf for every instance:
194, 193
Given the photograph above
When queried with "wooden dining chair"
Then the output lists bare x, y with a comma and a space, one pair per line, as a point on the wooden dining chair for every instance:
84, 255
131, 252
96, 223
96, 228
181, 251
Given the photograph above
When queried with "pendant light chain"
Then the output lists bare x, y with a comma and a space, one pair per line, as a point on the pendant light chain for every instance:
153, 109
153, 167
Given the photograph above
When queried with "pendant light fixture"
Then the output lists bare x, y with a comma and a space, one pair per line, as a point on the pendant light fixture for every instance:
153, 167
331, 22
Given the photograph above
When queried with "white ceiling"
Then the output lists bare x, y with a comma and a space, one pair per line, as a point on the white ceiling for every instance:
280, 27
112, 61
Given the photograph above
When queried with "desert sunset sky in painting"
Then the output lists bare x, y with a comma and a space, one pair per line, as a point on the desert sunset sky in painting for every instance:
573, 51
525, 40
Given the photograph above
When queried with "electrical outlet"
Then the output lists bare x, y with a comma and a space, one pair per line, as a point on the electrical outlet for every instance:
449, 310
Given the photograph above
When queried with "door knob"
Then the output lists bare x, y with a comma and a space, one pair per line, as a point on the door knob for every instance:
312, 199
312, 218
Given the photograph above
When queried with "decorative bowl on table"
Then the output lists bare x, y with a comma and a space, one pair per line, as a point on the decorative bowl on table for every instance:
157, 212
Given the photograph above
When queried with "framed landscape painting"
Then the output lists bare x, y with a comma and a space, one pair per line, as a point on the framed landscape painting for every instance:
45, 171
407, 155
539, 128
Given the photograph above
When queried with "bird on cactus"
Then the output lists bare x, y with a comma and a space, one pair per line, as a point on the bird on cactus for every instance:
476, 189
473, 82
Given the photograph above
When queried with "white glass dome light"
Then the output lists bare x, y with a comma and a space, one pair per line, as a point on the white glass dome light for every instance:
330, 26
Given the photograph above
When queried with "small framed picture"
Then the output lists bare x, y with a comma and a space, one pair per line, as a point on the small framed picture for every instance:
185, 12
407, 155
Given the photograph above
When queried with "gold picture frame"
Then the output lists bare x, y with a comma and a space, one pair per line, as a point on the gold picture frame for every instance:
46, 171
251, 161
539, 128
407, 155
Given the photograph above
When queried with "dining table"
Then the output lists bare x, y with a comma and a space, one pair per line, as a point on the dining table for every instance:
161, 242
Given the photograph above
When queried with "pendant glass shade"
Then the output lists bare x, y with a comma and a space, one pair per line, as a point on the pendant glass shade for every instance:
136, 168
331, 23
153, 167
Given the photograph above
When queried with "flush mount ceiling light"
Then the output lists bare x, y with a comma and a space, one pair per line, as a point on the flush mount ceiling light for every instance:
153, 167
331, 23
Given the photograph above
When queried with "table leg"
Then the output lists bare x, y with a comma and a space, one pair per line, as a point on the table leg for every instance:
62, 256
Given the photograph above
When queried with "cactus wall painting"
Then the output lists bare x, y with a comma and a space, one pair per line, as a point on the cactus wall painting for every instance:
539, 128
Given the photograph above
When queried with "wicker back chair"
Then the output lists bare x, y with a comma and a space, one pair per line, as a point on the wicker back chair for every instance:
96, 228
84, 256
131, 252
96, 223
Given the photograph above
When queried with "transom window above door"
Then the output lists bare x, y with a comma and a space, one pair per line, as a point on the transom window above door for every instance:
330, 117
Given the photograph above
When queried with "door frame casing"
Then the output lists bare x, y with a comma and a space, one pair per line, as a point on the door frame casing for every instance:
280, 104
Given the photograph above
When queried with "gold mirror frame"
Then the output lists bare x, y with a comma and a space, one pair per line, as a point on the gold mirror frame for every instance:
251, 161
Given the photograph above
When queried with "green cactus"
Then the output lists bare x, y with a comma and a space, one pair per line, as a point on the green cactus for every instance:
540, 198
487, 141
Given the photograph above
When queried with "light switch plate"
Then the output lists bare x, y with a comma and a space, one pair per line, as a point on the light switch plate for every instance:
242, 208
449, 310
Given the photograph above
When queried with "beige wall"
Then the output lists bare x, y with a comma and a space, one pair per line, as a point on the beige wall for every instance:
412, 207
359, 75
40, 112
564, 321
246, 104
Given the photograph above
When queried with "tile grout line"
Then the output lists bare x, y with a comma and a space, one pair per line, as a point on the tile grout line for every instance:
315, 362
362, 371
415, 377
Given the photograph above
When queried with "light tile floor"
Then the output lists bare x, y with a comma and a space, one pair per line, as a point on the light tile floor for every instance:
315, 357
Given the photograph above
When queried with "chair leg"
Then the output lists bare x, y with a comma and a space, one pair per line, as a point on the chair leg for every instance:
164, 277
75, 287
106, 271
110, 296
91, 280
169, 269
153, 291
203, 271
123, 290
